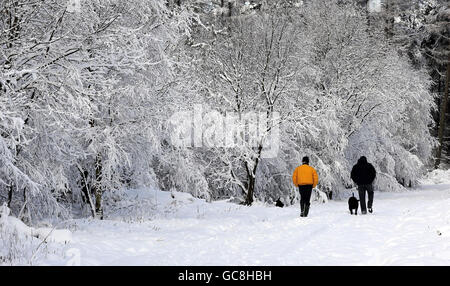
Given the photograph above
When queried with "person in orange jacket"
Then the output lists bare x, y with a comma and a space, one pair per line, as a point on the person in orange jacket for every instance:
305, 178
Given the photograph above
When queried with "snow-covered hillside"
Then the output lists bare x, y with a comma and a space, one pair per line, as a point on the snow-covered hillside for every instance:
410, 228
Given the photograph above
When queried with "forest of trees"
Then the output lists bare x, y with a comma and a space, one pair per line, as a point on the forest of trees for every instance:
88, 90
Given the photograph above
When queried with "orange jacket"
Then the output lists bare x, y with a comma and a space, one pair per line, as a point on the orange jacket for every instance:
305, 175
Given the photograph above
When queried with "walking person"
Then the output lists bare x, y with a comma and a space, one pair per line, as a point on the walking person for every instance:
363, 174
305, 178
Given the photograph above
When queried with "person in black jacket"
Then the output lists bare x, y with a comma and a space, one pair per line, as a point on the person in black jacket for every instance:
363, 174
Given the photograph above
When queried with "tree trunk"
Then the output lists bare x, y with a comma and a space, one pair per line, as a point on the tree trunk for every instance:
441, 130
10, 194
98, 190
250, 191
85, 191
230, 9
24, 213
252, 178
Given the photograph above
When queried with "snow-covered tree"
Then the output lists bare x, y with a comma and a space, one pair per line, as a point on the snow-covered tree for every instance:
375, 92
252, 69
80, 87
347, 93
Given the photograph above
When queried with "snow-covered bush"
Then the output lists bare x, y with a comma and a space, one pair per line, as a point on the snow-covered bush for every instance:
21, 244
437, 176
130, 205
13, 246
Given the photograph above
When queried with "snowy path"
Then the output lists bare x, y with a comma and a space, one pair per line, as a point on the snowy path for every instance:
405, 229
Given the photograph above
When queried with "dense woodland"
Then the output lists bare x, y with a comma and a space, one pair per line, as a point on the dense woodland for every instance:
88, 90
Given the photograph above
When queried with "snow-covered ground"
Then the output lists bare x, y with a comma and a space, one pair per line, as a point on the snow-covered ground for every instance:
411, 228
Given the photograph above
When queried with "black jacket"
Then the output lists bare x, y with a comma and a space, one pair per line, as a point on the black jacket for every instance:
363, 173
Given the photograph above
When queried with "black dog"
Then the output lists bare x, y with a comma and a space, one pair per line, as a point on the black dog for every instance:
353, 204
279, 203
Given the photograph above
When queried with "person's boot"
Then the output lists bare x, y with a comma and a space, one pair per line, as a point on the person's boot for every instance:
306, 210
302, 207
370, 210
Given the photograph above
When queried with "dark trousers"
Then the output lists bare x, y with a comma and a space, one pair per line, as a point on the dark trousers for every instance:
305, 197
362, 196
